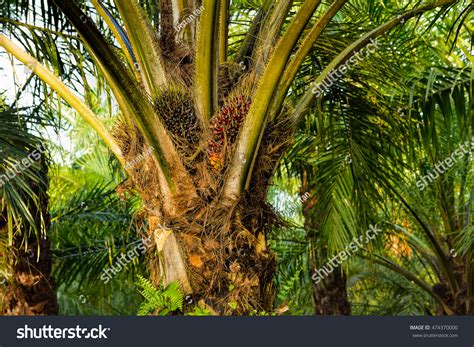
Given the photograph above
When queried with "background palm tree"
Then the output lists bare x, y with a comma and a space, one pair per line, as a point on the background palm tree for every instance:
355, 153
26, 286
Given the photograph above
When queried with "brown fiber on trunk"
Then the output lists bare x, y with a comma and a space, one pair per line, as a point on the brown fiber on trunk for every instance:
32, 290
167, 23
218, 254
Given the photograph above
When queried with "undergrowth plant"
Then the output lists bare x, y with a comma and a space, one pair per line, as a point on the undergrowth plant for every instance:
159, 301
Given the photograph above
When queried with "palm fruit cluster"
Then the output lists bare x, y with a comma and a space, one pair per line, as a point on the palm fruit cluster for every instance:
225, 128
176, 108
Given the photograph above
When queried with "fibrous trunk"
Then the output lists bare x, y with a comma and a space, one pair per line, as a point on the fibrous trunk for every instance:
31, 291
219, 257
330, 295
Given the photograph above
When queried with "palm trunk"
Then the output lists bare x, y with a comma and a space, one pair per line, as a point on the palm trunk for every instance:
330, 295
32, 291
219, 258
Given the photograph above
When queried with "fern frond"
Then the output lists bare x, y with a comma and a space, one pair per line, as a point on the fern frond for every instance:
159, 300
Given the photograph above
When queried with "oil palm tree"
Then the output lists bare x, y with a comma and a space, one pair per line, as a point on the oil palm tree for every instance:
204, 121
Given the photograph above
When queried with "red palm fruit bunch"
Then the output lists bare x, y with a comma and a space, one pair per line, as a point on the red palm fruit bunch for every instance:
225, 128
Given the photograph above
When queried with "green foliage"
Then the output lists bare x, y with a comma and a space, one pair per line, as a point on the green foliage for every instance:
91, 229
160, 301
375, 291
92, 226
378, 129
